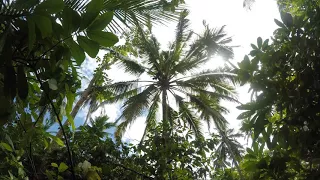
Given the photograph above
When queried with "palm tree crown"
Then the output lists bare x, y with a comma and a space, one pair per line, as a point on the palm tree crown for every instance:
171, 77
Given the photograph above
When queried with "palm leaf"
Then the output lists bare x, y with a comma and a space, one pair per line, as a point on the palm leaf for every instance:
134, 107
151, 117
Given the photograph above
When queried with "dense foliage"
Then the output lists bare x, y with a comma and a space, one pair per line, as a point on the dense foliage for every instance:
43, 44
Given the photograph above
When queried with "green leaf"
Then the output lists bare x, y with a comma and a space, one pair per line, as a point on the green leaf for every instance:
62, 167
287, 19
245, 64
76, 51
54, 165
91, 47
92, 175
106, 39
31, 33
280, 24
254, 47
53, 84
101, 22
10, 141
71, 20
265, 44
71, 121
57, 140
22, 83
70, 99
50, 6
44, 24
92, 11
259, 42
6, 146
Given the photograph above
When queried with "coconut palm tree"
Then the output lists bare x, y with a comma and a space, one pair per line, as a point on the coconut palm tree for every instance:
228, 147
172, 79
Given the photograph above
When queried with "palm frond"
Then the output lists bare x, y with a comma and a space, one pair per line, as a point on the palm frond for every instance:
181, 39
191, 119
134, 107
123, 86
214, 76
212, 42
151, 117
208, 113
17, 8
131, 67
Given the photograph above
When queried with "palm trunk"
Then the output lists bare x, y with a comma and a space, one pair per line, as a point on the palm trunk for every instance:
79, 104
164, 114
83, 98
165, 125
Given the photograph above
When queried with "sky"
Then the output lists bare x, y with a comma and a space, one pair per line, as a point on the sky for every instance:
244, 26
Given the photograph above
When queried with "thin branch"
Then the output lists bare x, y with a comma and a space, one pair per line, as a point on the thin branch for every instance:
60, 124
54, 46
132, 170
40, 115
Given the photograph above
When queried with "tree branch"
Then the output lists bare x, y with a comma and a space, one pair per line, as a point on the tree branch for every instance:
60, 124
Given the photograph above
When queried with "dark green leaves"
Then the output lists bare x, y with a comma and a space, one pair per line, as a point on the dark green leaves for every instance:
70, 20
43, 23
92, 11
245, 64
10, 82
101, 22
50, 6
31, 33
91, 47
76, 51
106, 39
259, 42
287, 19
279, 23
22, 83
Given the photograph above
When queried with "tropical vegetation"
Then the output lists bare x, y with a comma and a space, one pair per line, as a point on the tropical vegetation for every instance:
44, 44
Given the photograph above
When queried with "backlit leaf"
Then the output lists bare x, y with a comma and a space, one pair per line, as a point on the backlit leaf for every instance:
106, 39
91, 47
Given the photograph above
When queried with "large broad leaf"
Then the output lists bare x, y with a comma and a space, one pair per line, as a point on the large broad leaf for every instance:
22, 83
106, 39
44, 24
259, 42
53, 84
101, 22
76, 51
91, 47
50, 6
70, 20
287, 19
279, 23
31, 33
6, 146
92, 12
62, 167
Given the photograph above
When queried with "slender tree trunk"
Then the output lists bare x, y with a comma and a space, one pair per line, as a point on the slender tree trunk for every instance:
164, 114
84, 96
165, 129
